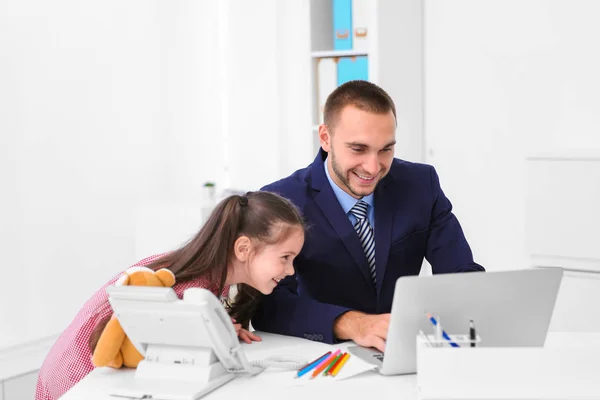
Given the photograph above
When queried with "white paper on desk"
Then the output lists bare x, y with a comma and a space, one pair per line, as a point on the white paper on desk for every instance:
303, 349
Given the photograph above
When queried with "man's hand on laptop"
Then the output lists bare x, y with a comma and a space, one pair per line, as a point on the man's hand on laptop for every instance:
367, 330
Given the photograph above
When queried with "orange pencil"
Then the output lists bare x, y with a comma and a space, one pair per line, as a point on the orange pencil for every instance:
337, 362
340, 365
332, 364
325, 363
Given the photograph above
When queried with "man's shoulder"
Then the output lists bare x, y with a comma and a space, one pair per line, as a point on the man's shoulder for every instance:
294, 187
408, 170
298, 179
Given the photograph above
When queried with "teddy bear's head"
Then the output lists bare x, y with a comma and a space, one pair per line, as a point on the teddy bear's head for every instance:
114, 349
143, 276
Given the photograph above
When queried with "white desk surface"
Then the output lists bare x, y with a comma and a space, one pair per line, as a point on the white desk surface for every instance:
368, 384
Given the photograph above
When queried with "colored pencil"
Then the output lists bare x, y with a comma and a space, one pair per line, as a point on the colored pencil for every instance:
325, 363
312, 364
336, 363
326, 372
340, 365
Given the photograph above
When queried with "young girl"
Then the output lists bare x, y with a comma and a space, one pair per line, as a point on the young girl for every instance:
250, 241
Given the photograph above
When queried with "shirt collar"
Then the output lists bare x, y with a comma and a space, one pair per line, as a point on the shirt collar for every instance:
345, 200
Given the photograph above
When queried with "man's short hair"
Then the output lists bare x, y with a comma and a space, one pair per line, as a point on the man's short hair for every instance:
363, 95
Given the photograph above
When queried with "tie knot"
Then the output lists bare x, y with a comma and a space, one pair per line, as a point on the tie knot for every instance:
360, 210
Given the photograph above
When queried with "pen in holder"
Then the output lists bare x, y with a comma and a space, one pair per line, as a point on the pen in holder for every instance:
442, 338
458, 340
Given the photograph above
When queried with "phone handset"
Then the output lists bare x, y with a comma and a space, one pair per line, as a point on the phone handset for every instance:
225, 342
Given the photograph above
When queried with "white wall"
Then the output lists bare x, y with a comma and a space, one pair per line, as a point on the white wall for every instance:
113, 115
244, 65
294, 91
505, 79
396, 64
190, 107
267, 104
85, 135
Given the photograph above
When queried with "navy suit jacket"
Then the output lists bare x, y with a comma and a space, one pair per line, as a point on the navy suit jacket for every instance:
413, 220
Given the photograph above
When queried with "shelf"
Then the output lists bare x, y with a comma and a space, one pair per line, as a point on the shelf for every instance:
565, 155
338, 53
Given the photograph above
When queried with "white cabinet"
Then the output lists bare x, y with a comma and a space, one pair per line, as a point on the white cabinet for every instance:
562, 216
20, 387
19, 367
578, 303
563, 193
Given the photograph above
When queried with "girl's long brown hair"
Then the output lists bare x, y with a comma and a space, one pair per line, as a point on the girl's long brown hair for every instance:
258, 215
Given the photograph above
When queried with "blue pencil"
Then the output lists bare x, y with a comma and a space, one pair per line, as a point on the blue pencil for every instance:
313, 364
444, 334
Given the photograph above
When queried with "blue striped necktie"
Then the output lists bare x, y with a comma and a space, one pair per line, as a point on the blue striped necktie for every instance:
365, 233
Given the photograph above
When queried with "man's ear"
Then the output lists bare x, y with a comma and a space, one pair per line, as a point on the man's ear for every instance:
325, 137
242, 248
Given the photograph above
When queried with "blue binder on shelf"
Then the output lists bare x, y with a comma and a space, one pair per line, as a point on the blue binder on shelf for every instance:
352, 68
342, 24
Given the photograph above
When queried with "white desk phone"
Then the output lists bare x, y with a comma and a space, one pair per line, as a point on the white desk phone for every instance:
190, 346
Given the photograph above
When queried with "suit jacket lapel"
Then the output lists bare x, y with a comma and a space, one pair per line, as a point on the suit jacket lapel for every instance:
331, 208
385, 206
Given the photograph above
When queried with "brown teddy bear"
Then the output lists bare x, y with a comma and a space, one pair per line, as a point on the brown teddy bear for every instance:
114, 349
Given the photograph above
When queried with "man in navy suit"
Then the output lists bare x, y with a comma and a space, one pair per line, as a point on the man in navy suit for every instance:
371, 218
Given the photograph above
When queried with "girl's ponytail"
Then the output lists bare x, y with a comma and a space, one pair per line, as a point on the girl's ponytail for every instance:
244, 305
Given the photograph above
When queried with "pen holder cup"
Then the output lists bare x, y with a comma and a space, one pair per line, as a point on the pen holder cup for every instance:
482, 372
455, 341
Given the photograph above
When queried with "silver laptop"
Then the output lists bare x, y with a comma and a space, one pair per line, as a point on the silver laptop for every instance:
508, 308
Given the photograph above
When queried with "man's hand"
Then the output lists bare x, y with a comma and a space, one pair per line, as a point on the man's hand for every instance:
244, 334
366, 330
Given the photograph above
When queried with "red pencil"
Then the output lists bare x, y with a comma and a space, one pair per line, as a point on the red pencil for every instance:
337, 368
325, 363
336, 364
